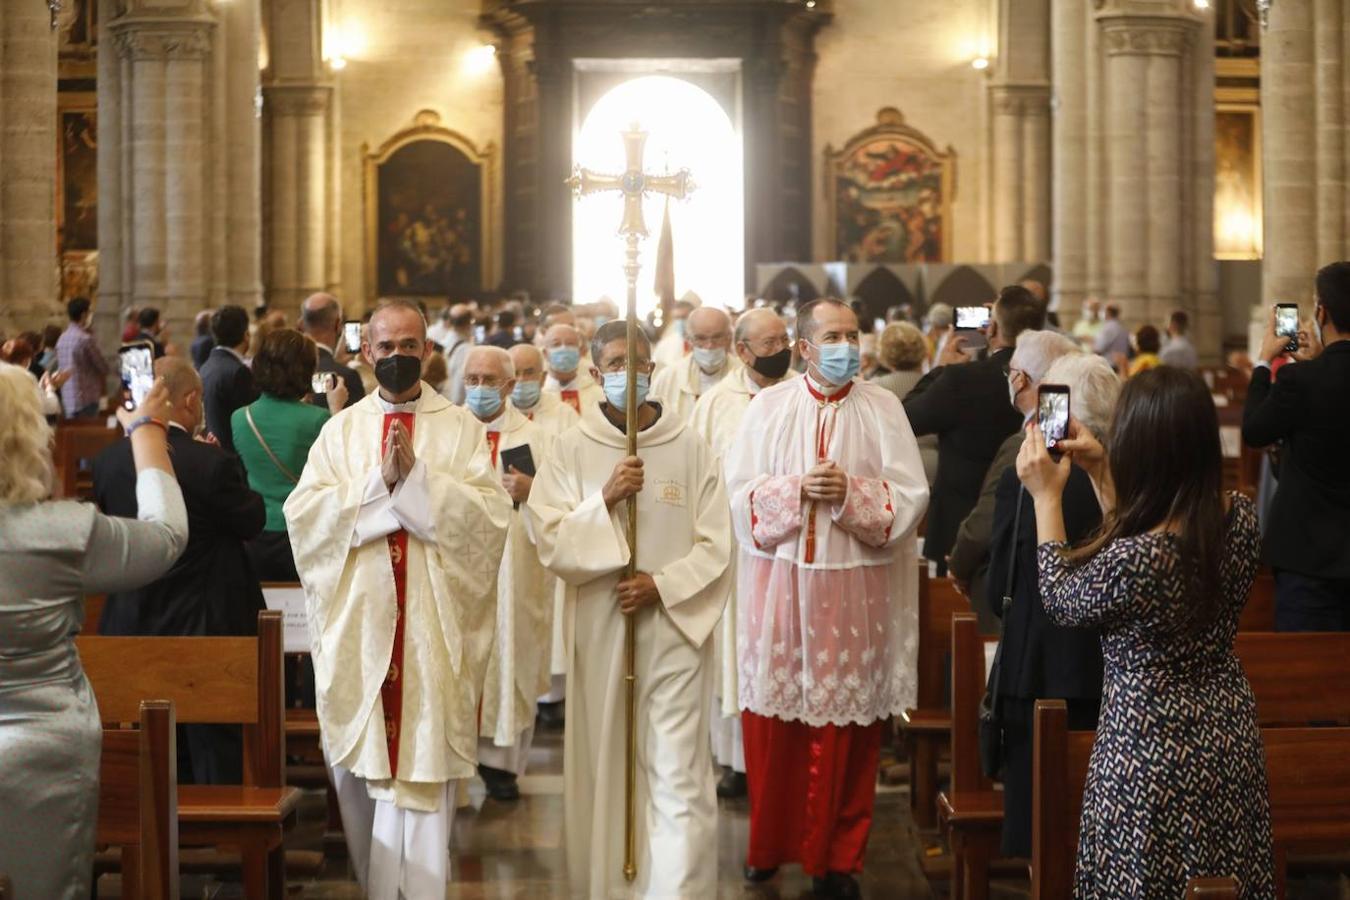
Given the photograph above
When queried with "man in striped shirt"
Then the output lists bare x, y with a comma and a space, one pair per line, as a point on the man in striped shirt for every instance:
77, 352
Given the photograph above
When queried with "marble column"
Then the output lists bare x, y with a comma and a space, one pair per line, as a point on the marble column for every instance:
1070, 149
1020, 105
29, 279
1305, 92
300, 102
178, 210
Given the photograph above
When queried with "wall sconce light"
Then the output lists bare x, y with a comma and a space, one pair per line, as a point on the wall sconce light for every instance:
480, 59
980, 63
1201, 4
810, 4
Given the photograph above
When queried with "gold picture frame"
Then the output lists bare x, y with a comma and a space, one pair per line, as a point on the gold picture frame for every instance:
888, 195
1239, 229
427, 126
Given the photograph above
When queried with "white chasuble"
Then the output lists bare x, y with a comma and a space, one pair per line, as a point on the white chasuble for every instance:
678, 387
827, 627
579, 393
455, 511
518, 666
684, 542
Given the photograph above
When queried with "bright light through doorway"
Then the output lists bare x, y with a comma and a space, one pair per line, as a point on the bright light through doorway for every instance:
688, 130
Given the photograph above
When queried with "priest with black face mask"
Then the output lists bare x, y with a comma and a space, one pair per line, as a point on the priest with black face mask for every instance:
397, 525
761, 342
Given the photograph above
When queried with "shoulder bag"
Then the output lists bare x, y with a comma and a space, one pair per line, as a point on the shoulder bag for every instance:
248, 414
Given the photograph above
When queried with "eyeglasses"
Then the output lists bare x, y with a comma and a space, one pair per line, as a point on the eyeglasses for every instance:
478, 381
769, 346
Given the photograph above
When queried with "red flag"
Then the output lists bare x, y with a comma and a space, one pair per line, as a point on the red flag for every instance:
665, 267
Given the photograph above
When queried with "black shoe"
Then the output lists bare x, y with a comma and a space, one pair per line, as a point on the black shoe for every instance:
731, 786
841, 886
758, 876
501, 785
552, 715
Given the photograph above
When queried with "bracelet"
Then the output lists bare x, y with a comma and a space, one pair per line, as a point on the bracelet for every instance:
146, 420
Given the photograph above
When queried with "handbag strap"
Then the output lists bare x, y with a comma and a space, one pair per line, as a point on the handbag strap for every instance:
996, 673
248, 414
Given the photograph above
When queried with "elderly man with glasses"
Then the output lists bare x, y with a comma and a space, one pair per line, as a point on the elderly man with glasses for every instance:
678, 387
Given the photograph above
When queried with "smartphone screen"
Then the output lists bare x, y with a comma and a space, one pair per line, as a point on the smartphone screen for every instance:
479, 334
971, 317
322, 382
1052, 413
138, 371
1286, 324
351, 333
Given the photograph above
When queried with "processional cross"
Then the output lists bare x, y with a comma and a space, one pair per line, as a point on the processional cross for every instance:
633, 184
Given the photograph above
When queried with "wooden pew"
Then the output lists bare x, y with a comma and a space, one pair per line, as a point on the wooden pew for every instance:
1212, 889
216, 680
6, 889
971, 810
138, 802
928, 725
1308, 770
76, 444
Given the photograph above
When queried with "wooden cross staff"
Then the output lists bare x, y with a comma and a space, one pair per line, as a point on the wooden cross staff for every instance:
633, 184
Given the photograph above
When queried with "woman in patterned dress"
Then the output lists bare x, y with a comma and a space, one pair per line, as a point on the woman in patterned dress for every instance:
1176, 787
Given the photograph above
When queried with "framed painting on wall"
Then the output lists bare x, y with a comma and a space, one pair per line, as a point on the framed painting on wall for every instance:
1238, 229
77, 193
888, 195
429, 214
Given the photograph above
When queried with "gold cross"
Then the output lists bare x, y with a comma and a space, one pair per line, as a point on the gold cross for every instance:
633, 183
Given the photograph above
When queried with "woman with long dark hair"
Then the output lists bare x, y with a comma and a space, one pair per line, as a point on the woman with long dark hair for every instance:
1177, 786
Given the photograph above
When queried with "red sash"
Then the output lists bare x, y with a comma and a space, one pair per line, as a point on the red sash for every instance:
572, 399
494, 439
391, 692
823, 436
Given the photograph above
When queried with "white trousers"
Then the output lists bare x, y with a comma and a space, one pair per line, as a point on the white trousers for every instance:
508, 759
398, 854
557, 689
727, 744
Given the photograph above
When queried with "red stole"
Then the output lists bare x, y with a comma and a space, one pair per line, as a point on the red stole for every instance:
572, 399
824, 434
494, 440
391, 692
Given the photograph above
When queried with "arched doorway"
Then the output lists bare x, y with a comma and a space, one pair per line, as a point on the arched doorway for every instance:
688, 130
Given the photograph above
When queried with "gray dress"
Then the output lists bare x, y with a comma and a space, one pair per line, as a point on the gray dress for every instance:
51, 555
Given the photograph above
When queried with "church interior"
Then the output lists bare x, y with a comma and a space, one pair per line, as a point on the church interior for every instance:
1154, 156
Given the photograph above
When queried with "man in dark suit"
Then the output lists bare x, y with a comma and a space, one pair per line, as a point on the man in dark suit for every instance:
966, 405
227, 383
151, 329
211, 589
1302, 407
203, 342
321, 319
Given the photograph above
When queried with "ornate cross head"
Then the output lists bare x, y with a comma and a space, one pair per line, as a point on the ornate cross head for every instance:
633, 184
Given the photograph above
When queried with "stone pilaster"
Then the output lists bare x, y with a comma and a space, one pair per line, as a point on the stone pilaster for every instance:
28, 265
1019, 96
1069, 63
1305, 103
178, 207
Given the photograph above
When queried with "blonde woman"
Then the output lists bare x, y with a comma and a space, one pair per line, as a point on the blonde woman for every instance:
903, 350
51, 554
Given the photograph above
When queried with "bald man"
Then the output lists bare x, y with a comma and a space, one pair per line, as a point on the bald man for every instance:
211, 589
518, 667
567, 376
321, 318
398, 525
765, 352
678, 387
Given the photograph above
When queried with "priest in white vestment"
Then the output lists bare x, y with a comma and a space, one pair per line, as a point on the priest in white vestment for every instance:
765, 352
671, 349
547, 410
578, 514
678, 387
397, 525
518, 667
567, 377
827, 487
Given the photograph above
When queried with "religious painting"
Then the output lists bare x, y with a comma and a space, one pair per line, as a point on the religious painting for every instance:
77, 26
428, 210
889, 194
1237, 182
77, 186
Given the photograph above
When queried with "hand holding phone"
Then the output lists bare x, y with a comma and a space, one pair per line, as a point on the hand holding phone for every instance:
1286, 325
971, 322
137, 363
1052, 414
351, 336
322, 382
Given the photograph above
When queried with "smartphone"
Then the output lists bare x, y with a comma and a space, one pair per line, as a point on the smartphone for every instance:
322, 382
1286, 324
351, 333
138, 371
1052, 413
479, 334
970, 324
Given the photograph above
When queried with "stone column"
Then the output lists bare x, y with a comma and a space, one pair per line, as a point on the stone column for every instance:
1148, 130
1019, 100
29, 280
1008, 206
1305, 105
1070, 148
299, 99
178, 158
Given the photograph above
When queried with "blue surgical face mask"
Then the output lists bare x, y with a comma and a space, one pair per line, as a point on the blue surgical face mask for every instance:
564, 359
525, 394
616, 388
839, 362
679, 327
482, 401
710, 359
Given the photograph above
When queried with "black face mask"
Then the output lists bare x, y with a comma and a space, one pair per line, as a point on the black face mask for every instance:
398, 373
775, 365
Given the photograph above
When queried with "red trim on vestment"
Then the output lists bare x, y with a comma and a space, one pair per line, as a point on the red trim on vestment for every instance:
391, 691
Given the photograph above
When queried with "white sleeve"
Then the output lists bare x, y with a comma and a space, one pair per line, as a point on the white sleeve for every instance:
382, 513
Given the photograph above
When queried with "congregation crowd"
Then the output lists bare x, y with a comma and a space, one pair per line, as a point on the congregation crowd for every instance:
464, 470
